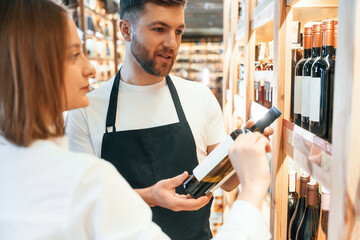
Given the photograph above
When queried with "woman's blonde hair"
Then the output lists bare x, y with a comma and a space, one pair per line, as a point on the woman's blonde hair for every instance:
32, 55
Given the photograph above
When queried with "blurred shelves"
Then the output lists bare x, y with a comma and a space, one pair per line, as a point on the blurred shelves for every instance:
312, 153
262, 14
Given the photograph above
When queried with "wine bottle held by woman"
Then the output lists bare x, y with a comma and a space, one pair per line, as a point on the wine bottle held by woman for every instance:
310, 222
300, 208
216, 168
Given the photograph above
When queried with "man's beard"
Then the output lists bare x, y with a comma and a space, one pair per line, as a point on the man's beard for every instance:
143, 57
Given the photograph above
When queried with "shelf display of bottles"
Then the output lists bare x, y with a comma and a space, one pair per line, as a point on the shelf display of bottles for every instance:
309, 219
314, 80
263, 77
98, 30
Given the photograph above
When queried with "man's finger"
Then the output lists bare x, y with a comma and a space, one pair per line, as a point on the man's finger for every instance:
176, 181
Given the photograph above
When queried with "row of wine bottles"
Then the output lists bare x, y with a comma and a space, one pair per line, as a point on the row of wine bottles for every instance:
308, 211
263, 76
313, 78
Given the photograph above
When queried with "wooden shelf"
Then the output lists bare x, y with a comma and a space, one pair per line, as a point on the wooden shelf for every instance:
263, 14
314, 14
312, 153
265, 32
312, 3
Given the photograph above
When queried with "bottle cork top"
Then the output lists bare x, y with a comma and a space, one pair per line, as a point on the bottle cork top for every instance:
316, 35
307, 37
312, 196
304, 179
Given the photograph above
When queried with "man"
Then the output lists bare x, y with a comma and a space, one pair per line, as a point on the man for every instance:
151, 126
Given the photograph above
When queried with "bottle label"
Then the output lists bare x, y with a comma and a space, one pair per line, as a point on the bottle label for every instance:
315, 91
214, 158
297, 94
305, 98
292, 176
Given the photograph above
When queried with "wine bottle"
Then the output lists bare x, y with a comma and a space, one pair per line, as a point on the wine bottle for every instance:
296, 56
306, 80
292, 198
300, 208
259, 76
324, 215
297, 97
268, 77
322, 81
310, 222
216, 168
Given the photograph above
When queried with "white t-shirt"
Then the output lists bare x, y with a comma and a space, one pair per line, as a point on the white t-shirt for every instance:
149, 106
48, 192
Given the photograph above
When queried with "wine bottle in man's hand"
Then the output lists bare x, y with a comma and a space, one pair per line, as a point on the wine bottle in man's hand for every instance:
216, 168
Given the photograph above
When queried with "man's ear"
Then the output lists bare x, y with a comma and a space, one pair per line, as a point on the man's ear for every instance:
125, 29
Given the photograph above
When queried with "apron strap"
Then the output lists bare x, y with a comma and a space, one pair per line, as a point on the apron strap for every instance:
176, 100
111, 113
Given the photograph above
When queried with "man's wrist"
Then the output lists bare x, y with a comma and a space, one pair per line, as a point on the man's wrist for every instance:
146, 195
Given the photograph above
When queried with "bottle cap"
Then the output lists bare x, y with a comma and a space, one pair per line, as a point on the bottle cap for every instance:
312, 196
267, 120
304, 179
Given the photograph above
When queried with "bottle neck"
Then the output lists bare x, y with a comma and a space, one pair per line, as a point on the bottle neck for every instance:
316, 52
307, 53
327, 51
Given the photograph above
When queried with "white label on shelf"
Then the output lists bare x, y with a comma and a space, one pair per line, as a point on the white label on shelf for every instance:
213, 159
305, 99
298, 94
315, 91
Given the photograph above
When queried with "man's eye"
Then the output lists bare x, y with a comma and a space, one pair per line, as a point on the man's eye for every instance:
158, 29
179, 32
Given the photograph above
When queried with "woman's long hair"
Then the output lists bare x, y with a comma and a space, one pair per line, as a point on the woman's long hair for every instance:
32, 54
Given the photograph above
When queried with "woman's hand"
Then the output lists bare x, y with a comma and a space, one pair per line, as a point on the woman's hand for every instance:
248, 157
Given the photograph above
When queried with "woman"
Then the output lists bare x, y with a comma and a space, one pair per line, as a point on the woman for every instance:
50, 193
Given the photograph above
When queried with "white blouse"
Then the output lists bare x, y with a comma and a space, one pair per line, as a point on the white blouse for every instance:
47, 192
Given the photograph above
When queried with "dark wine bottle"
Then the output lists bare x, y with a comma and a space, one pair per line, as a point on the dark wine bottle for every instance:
216, 168
296, 56
297, 97
324, 215
306, 80
322, 82
292, 198
310, 222
300, 208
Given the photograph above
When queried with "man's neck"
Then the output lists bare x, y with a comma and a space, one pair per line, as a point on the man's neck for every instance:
133, 73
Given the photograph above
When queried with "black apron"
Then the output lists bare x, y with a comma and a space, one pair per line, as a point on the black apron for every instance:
146, 156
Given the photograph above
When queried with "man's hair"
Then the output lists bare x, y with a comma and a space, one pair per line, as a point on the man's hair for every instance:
32, 46
133, 7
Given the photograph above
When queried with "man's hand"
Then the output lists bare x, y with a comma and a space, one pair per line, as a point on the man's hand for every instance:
248, 157
163, 194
